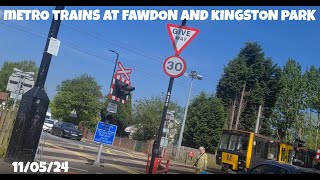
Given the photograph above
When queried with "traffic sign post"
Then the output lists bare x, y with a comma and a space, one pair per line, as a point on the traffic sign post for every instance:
173, 66
104, 134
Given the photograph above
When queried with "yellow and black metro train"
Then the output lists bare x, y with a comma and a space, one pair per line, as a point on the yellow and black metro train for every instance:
241, 150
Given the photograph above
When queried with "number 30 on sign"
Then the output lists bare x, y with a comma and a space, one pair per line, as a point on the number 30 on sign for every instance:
174, 66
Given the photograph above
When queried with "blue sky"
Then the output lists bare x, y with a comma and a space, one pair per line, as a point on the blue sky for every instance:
217, 43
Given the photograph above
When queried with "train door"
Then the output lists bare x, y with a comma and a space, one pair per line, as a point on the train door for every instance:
258, 151
286, 153
282, 153
290, 154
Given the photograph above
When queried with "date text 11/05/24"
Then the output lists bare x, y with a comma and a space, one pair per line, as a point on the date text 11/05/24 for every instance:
42, 167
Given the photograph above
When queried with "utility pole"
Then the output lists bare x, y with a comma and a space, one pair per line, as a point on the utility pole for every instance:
32, 111
193, 75
258, 120
156, 147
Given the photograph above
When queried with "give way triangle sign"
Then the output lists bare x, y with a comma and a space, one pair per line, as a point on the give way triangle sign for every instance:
181, 36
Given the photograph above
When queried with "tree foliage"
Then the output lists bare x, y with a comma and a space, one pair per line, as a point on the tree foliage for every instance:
147, 114
290, 101
82, 94
259, 75
204, 123
7, 70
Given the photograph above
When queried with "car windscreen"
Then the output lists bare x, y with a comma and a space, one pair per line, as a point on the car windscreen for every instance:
69, 125
49, 121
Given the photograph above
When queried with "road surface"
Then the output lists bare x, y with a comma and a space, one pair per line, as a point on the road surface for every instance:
80, 156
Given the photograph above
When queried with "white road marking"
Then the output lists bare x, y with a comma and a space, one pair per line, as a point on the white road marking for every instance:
62, 159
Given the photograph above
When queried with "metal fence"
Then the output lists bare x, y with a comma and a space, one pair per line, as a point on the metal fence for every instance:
124, 143
7, 118
182, 155
146, 147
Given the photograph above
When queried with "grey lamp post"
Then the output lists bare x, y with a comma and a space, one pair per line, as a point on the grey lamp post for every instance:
193, 75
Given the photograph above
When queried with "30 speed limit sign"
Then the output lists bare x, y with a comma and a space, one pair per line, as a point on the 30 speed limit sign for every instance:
174, 66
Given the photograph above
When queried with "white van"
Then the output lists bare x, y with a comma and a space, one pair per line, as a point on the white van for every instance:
48, 122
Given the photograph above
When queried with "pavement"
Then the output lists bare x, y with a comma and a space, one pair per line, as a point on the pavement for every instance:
5, 168
80, 156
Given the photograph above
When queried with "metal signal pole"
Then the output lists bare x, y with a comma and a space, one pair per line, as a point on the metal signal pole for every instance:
32, 111
115, 65
155, 149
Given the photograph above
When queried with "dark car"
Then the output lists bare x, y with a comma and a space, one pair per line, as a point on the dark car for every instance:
65, 129
274, 167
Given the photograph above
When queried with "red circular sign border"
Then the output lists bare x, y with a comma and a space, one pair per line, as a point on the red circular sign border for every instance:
178, 75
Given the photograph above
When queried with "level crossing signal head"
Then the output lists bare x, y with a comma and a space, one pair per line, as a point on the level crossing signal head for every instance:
122, 89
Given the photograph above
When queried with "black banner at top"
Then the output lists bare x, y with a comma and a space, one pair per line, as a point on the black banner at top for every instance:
159, 3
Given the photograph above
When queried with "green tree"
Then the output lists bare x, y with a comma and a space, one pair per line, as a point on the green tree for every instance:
290, 101
7, 70
312, 104
230, 85
147, 114
255, 75
204, 123
82, 94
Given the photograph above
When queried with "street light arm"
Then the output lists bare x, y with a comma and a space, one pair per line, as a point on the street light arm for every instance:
115, 65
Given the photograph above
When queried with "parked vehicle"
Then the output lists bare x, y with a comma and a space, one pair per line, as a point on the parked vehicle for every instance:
65, 129
275, 167
48, 123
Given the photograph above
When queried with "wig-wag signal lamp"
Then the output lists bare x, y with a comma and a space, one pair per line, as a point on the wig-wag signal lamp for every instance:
120, 89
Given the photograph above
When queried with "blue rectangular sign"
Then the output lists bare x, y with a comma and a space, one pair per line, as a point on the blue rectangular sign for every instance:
105, 133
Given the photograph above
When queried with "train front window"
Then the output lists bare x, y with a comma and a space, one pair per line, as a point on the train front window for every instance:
243, 144
224, 141
234, 142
